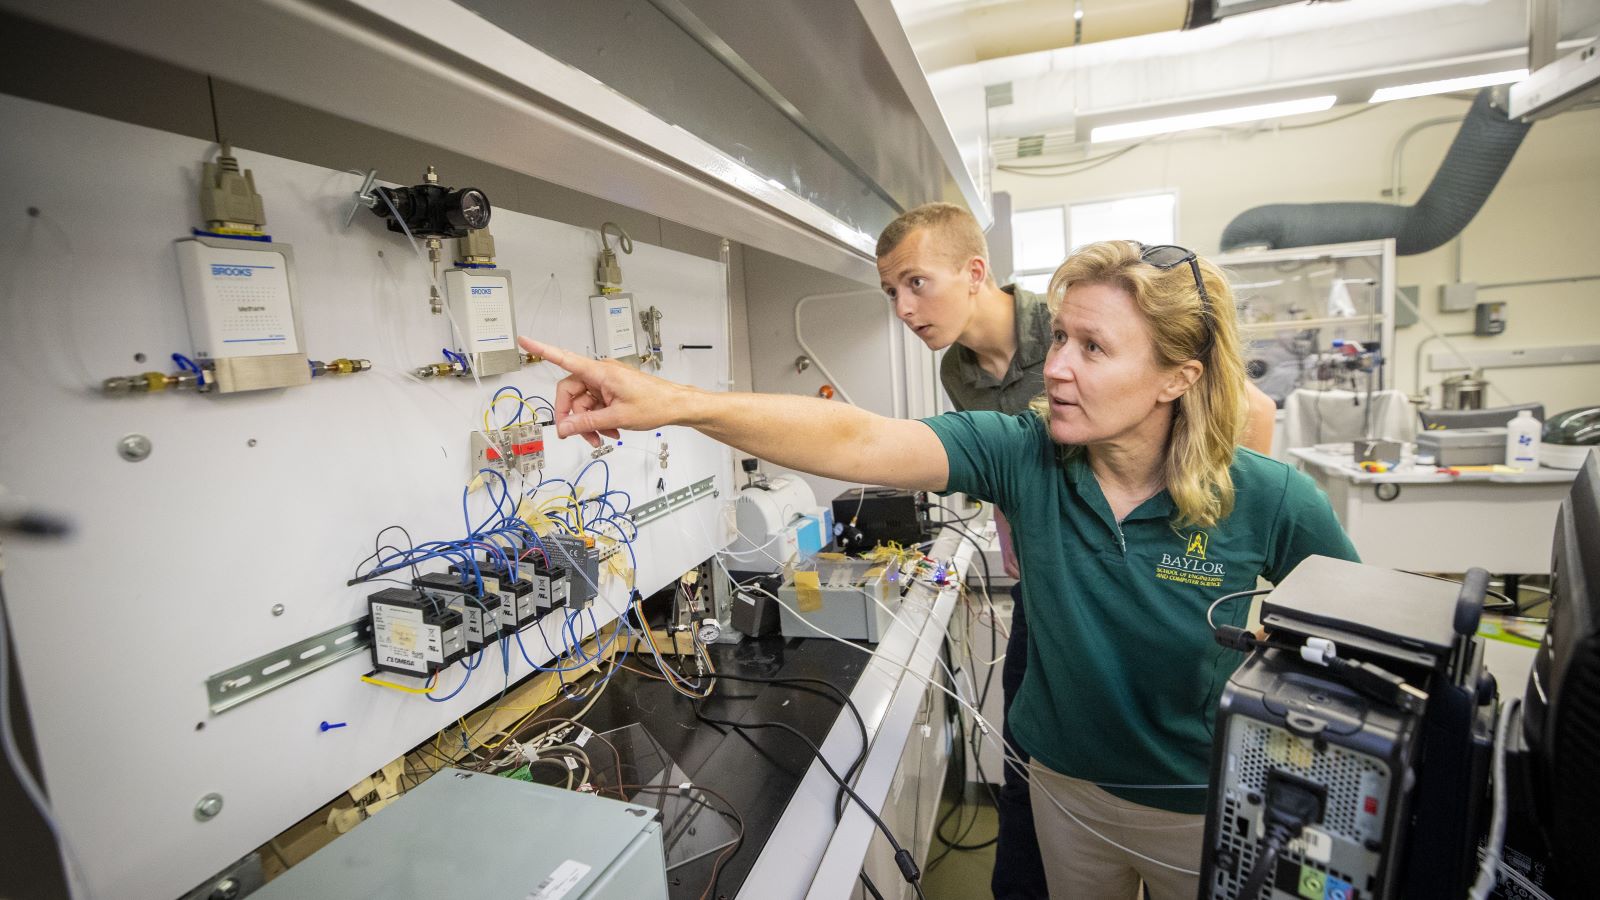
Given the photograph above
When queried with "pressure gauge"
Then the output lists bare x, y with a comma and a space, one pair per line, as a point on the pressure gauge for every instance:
468, 208
431, 210
709, 631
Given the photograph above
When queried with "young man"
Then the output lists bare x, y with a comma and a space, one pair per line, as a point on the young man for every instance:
933, 263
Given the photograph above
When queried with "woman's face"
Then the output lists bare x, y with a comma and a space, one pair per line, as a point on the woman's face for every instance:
1101, 376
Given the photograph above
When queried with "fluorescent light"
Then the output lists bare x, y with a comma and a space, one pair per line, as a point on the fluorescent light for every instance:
1466, 83
1192, 121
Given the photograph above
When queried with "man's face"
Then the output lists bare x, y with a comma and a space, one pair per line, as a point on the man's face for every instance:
934, 295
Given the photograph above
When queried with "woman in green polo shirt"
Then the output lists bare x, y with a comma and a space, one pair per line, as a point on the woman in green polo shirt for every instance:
1139, 510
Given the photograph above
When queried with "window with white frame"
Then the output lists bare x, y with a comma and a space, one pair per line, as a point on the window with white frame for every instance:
1042, 237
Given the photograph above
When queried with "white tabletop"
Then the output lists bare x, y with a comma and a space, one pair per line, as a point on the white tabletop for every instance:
1338, 459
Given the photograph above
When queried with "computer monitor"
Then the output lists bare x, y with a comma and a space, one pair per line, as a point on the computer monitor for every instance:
1561, 708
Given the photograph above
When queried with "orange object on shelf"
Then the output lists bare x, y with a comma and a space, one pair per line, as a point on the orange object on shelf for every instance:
825, 392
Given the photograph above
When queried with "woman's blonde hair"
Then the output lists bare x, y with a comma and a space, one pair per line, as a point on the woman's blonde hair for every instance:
1209, 418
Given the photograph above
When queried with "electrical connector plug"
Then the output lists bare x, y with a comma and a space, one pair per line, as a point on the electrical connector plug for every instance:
228, 198
607, 273
1292, 804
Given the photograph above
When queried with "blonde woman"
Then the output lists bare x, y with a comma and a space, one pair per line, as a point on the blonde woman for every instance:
1138, 509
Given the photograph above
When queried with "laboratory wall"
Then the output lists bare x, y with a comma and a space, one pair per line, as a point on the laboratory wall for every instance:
854, 340
210, 530
1540, 222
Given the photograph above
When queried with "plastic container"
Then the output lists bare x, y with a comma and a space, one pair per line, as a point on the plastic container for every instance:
1522, 441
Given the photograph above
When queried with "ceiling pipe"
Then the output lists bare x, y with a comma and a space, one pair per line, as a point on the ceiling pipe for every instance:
1474, 164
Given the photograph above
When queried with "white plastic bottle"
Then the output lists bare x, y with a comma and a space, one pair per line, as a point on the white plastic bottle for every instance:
1522, 441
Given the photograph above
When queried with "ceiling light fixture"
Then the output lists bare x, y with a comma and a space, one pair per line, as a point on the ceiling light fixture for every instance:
1445, 86
1191, 121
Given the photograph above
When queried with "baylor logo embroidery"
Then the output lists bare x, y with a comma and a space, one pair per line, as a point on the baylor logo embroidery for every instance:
1192, 567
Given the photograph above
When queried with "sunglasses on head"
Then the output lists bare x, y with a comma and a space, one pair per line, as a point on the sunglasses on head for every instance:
1169, 256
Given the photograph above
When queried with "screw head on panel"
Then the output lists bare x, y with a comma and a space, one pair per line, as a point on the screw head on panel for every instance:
133, 447
208, 807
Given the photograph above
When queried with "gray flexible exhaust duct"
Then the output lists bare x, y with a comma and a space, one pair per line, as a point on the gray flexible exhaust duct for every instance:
1477, 159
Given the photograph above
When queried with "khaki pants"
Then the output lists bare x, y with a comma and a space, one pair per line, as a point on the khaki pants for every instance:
1080, 866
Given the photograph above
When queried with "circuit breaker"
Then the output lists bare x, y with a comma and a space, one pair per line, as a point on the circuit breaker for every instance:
481, 305
413, 634
243, 313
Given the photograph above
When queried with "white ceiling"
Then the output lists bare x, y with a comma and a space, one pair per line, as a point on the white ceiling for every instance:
1345, 48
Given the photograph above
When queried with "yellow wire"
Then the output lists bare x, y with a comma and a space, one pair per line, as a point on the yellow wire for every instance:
400, 687
503, 397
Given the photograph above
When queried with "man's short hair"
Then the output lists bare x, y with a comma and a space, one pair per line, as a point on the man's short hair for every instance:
956, 233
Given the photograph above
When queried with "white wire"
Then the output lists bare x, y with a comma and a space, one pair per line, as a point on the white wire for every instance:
74, 868
1495, 843
987, 728
989, 731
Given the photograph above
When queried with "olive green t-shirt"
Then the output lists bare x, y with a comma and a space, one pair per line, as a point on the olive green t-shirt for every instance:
971, 388
1123, 675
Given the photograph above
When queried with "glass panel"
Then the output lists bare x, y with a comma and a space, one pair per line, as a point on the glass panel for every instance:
1298, 316
1039, 239
1148, 220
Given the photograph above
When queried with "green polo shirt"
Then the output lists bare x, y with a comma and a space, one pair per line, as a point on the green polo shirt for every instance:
971, 388
1123, 676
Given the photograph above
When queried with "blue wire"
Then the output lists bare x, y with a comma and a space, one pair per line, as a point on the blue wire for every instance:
606, 487
185, 364
451, 695
536, 667
518, 392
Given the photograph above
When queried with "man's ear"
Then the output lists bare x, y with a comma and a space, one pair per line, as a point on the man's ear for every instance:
1183, 378
977, 272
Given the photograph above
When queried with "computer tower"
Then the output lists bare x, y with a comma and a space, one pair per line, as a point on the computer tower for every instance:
1397, 764
1276, 719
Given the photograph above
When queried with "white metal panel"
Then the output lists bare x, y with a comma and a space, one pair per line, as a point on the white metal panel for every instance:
448, 77
249, 500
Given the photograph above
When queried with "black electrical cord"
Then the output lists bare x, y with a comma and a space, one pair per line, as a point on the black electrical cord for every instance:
959, 764
955, 517
1289, 809
799, 683
871, 888
902, 856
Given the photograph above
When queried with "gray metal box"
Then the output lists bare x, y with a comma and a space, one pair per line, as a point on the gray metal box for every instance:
846, 598
1463, 446
433, 842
